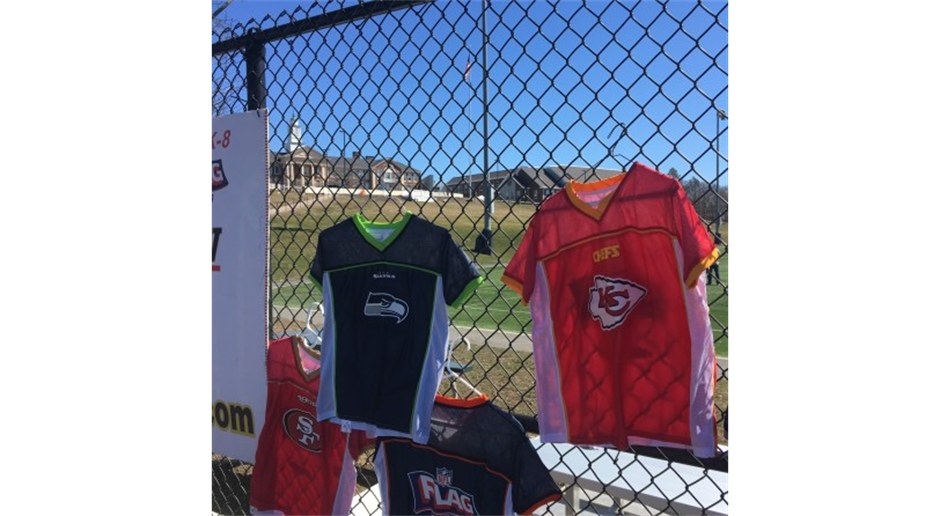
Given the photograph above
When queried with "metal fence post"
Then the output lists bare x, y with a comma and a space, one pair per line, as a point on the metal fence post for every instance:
255, 65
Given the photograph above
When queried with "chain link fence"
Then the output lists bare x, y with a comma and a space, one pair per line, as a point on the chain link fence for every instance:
469, 114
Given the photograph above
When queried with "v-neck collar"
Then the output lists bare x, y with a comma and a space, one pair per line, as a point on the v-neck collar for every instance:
299, 348
364, 226
574, 187
460, 402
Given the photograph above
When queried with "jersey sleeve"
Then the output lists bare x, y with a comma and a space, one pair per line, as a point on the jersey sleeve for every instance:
316, 266
698, 248
460, 277
532, 485
520, 273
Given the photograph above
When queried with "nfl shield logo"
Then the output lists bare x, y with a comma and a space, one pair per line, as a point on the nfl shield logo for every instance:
444, 476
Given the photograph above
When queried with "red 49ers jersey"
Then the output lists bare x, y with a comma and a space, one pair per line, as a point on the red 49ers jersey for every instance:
622, 342
301, 466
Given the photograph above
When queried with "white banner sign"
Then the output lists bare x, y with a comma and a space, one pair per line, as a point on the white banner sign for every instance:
239, 281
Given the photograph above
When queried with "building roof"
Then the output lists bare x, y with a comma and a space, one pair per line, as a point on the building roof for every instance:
340, 164
476, 178
351, 163
525, 176
401, 166
303, 152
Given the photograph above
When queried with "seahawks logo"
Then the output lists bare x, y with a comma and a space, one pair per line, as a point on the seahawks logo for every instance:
380, 304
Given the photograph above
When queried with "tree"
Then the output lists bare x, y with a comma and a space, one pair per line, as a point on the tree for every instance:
709, 202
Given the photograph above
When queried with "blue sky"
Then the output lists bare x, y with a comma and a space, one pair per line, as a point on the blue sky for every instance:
562, 76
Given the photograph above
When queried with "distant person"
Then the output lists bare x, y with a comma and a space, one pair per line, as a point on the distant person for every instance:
713, 270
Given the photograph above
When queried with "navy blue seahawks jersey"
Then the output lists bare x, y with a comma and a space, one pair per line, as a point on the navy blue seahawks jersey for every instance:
477, 460
386, 288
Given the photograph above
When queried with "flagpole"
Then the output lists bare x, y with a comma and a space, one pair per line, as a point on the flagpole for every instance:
469, 116
484, 240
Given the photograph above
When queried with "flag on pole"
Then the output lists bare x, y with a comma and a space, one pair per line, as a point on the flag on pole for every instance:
466, 74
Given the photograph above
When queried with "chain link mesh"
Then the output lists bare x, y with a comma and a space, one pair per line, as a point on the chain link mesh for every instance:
378, 113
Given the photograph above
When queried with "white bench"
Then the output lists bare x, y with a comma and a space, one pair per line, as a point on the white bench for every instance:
674, 488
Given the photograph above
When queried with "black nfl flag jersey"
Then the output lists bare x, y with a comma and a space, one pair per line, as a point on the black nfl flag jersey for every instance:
386, 288
478, 460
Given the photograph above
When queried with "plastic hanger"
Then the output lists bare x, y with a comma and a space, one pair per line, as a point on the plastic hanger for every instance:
454, 376
624, 165
314, 309
561, 181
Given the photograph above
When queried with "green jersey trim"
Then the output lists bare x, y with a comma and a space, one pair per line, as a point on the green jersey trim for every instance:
467, 291
364, 226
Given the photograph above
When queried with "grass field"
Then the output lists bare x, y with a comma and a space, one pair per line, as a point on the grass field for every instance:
297, 221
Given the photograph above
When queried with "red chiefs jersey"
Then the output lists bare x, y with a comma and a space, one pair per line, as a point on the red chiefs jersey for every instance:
301, 466
622, 340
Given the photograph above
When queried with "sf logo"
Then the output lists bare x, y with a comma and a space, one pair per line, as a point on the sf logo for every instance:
304, 429
612, 299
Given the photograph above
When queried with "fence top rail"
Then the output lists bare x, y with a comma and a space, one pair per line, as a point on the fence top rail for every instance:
297, 27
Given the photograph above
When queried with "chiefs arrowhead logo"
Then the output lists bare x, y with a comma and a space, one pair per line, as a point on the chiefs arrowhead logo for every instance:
380, 304
612, 299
